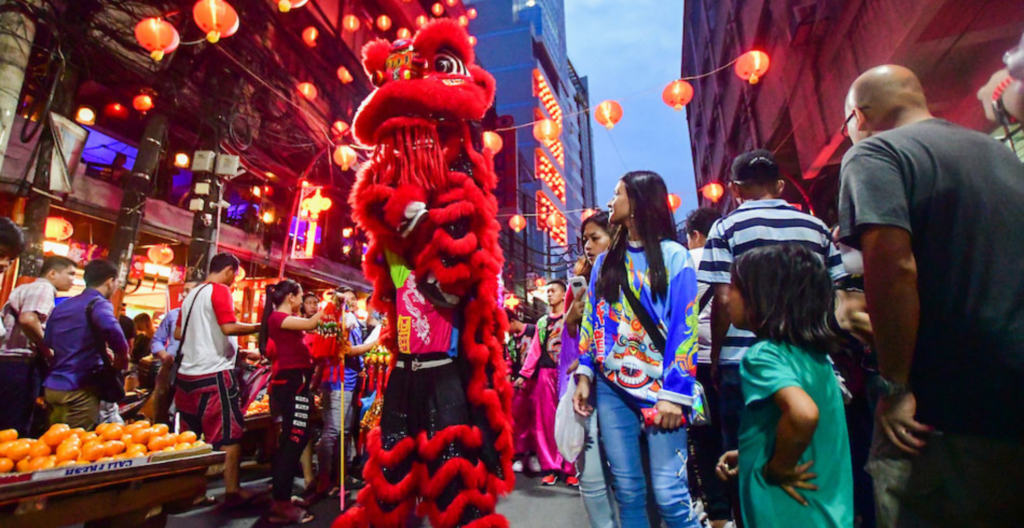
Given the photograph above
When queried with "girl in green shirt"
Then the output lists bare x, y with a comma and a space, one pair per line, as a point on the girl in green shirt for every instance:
794, 452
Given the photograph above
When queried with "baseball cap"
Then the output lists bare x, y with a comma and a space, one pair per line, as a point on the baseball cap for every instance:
757, 166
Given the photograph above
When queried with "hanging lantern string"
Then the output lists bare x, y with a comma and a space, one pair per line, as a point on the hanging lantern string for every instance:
627, 97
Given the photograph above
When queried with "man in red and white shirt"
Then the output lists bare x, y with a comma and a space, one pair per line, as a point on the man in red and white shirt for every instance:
206, 378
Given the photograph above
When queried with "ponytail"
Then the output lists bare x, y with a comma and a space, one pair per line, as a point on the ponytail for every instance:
275, 295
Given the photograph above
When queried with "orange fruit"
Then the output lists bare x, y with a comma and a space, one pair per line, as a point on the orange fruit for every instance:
172, 439
128, 439
19, 449
67, 463
142, 436
6, 465
78, 431
39, 449
136, 450
160, 429
23, 465
53, 438
187, 436
143, 423
131, 429
113, 447
4, 446
92, 451
45, 462
87, 437
157, 443
113, 432
183, 446
122, 456
8, 434
105, 459
168, 448
68, 451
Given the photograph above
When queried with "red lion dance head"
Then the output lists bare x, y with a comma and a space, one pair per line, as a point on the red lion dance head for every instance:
426, 196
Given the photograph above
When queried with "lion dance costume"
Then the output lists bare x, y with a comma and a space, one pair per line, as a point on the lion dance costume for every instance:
444, 446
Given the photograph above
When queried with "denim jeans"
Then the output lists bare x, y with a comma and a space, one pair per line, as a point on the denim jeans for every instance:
595, 480
621, 428
332, 402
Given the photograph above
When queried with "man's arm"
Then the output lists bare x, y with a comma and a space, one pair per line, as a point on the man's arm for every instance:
105, 320
237, 329
160, 337
719, 322
32, 326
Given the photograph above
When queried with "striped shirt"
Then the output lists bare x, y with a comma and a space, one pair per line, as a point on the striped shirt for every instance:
755, 224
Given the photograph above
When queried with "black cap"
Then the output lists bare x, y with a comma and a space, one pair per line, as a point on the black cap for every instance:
756, 166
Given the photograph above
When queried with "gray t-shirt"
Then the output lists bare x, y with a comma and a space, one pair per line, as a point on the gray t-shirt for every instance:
960, 194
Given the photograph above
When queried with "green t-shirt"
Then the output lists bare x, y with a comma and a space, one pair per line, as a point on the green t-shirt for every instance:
768, 367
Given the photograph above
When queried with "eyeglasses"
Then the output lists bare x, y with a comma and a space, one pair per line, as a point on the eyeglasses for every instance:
845, 130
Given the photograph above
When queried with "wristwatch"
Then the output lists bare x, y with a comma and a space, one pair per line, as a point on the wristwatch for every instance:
891, 388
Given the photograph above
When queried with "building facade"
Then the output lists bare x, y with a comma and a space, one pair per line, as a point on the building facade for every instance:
816, 49
522, 43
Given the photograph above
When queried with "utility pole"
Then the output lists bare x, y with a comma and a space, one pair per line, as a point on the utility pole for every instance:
15, 46
138, 186
37, 207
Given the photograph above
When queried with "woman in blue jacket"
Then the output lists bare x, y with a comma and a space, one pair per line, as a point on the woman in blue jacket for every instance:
640, 388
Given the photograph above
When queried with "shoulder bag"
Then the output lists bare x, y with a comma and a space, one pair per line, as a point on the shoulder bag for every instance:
109, 381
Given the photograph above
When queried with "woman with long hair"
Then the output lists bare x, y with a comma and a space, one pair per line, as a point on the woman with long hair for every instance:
290, 400
594, 482
143, 336
640, 337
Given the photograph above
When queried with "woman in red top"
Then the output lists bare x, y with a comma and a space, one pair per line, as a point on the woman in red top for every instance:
290, 400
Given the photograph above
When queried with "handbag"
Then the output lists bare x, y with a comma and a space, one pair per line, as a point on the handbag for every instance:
699, 414
109, 381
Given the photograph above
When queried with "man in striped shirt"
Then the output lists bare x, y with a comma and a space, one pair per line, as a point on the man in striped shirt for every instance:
762, 219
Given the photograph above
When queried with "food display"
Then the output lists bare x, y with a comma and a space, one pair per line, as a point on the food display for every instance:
63, 446
259, 406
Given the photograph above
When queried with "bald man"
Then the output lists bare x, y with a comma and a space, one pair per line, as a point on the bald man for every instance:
938, 212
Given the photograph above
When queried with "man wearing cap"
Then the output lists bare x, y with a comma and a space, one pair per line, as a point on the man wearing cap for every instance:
762, 219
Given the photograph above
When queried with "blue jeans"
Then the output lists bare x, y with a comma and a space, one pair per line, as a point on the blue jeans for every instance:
621, 428
594, 480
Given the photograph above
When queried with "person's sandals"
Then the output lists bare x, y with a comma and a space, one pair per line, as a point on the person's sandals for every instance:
240, 499
309, 496
291, 514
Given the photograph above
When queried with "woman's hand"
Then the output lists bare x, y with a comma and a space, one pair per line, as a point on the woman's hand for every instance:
520, 382
791, 478
581, 399
728, 465
670, 415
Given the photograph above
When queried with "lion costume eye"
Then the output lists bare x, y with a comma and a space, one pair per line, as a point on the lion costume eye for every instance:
449, 64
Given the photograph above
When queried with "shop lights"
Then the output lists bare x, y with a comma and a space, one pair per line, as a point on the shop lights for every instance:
181, 160
545, 170
85, 116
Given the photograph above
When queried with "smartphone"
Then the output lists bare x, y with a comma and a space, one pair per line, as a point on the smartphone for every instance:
578, 284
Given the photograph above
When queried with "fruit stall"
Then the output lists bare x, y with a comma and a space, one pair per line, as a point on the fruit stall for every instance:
114, 476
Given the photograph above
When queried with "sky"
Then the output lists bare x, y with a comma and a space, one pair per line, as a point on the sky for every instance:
630, 51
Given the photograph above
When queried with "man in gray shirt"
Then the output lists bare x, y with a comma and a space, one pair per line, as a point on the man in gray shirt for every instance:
938, 212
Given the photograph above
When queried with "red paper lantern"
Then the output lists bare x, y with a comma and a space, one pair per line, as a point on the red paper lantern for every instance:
143, 103
546, 130
157, 36
493, 142
674, 201
517, 223
161, 254
339, 128
350, 23
404, 33
309, 36
116, 111
58, 228
308, 90
713, 191
540, 282
471, 13
555, 221
383, 22
345, 157
285, 6
608, 113
472, 40
587, 213
451, 3
421, 21
217, 18
344, 75
437, 9
752, 65
677, 94
463, 20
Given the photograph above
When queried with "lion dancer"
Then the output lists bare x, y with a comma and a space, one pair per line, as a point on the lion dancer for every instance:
444, 447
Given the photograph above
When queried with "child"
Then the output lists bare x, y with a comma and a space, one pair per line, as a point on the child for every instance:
794, 451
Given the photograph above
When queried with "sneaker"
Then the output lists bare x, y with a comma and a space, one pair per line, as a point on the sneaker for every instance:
534, 465
549, 480
572, 482
517, 466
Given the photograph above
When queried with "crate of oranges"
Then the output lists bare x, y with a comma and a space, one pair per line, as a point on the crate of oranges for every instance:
66, 451
259, 406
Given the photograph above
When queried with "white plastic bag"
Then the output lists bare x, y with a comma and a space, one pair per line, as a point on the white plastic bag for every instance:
570, 434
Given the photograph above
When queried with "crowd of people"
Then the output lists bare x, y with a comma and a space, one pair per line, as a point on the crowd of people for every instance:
726, 373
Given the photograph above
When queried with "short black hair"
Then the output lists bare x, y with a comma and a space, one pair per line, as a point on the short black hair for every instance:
224, 260
345, 289
788, 295
12, 238
757, 167
701, 220
513, 316
308, 294
56, 263
99, 271
559, 282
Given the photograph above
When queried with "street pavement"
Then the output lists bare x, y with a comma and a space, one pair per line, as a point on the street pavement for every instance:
529, 506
